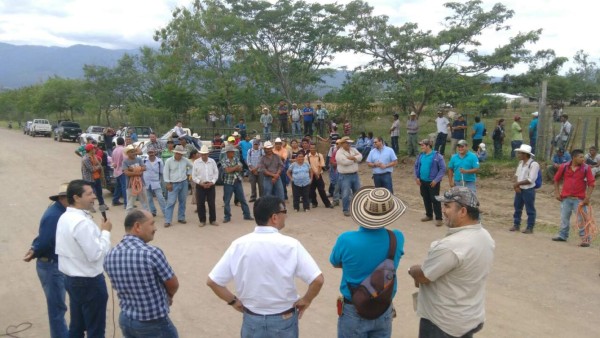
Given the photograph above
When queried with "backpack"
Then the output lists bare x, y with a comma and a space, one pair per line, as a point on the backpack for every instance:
497, 135
484, 131
374, 294
538, 180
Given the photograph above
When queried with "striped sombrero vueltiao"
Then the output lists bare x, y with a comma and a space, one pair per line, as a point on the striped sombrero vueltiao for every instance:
375, 208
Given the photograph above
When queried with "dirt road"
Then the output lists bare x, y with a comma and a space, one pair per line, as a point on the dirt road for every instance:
537, 288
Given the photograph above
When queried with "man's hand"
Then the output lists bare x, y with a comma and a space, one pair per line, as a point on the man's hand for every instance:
557, 196
451, 184
418, 182
107, 225
301, 305
28, 256
586, 201
169, 186
433, 184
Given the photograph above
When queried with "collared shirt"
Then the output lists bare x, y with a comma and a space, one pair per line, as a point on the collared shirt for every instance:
205, 171
176, 171
575, 182
360, 252
157, 146
244, 147
469, 161
442, 124
282, 153
527, 171
253, 157
396, 130
316, 162
300, 174
565, 130
188, 150
517, 131
533, 128
135, 163
87, 167
44, 244
117, 160
412, 126
386, 156
138, 272
322, 114
308, 113
344, 165
558, 159
266, 119
230, 178
295, 115
80, 244
264, 265
271, 163
457, 266
478, 129
459, 134
154, 171
166, 154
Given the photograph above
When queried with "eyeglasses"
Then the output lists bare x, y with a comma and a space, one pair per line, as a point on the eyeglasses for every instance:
284, 211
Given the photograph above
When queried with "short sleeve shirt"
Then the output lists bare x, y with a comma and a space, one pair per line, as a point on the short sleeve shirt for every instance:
469, 161
127, 163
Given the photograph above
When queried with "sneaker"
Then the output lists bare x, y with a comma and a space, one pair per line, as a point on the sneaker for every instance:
182, 221
226, 220
202, 224
438, 223
347, 213
514, 228
527, 231
426, 219
117, 203
336, 203
167, 225
330, 206
214, 223
558, 239
249, 218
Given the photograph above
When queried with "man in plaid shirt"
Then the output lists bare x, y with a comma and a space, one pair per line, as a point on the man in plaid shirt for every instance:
144, 280
232, 184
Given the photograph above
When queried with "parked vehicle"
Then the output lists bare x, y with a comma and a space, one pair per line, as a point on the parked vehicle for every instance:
67, 130
27, 127
95, 132
40, 127
142, 133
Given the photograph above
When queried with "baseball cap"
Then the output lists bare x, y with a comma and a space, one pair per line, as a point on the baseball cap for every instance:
426, 142
462, 143
461, 195
89, 147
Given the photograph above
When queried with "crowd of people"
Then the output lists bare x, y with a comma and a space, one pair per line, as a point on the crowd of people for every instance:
73, 252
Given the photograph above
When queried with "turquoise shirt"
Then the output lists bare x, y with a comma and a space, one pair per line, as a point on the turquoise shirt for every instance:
533, 128
424, 170
469, 161
478, 129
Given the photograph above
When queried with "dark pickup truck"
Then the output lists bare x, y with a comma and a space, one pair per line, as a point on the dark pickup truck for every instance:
67, 130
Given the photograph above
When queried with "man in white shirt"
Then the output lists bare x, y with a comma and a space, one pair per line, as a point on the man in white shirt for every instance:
175, 176
81, 247
442, 125
565, 131
347, 159
264, 265
525, 176
451, 281
205, 174
295, 116
152, 176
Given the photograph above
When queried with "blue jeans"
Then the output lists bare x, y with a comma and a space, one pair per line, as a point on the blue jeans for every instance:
395, 144
514, 145
53, 283
120, 189
350, 183
525, 198
157, 328
273, 189
87, 304
296, 128
273, 326
97, 185
351, 325
383, 181
427, 329
468, 184
267, 132
567, 207
159, 197
238, 190
178, 193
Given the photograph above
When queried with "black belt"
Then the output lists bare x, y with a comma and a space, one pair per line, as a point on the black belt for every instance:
349, 174
347, 301
387, 173
46, 259
286, 312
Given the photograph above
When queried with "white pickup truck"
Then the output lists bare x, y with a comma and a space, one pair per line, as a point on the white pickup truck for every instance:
40, 127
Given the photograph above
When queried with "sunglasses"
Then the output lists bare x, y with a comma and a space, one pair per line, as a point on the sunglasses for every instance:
284, 211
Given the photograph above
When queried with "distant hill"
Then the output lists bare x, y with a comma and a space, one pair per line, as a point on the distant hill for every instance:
27, 65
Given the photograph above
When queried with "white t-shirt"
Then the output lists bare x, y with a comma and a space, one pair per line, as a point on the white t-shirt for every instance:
264, 265
457, 266
442, 124
527, 171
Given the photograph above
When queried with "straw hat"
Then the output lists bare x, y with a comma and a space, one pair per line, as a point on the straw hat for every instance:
204, 150
524, 148
180, 150
268, 144
375, 208
62, 191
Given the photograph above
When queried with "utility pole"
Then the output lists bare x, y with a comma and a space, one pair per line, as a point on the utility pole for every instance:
543, 139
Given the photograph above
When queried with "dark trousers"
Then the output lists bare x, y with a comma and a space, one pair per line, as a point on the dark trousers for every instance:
440, 143
87, 304
301, 192
308, 127
203, 196
497, 149
427, 329
476, 142
318, 184
525, 198
97, 185
432, 206
395, 144
383, 181
283, 125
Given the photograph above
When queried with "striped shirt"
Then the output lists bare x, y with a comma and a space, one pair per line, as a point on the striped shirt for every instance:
138, 271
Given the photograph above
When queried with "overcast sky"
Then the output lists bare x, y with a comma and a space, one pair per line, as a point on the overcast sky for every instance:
568, 26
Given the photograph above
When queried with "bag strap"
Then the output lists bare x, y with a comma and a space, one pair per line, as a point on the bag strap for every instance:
392, 249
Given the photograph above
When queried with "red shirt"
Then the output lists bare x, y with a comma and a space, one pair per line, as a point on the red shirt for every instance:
574, 182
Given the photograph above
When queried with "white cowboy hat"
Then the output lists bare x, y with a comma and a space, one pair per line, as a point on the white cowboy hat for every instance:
204, 150
268, 144
235, 133
375, 208
525, 149
278, 140
180, 150
535, 113
195, 135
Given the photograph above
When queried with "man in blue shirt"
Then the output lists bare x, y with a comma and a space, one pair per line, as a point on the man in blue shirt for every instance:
463, 167
244, 146
144, 280
533, 130
358, 253
308, 114
459, 128
477, 133
429, 172
52, 280
559, 158
383, 160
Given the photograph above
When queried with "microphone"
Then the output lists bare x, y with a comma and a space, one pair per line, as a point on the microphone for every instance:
103, 211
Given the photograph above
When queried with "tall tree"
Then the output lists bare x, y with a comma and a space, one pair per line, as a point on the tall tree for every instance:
420, 62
